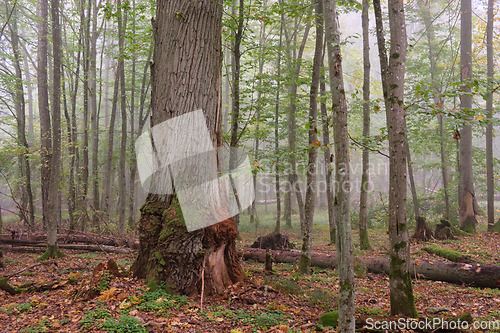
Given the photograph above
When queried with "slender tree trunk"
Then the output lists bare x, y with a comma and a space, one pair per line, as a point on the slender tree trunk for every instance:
292, 127
29, 90
342, 171
364, 241
83, 175
466, 202
53, 200
426, 16
133, 136
235, 105
203, 260
305, 258
393, 72
416, 205
490, 177
276, 133
94, 119
328, 162
20, 107
43, 104
107, 174
262, 34
122, 181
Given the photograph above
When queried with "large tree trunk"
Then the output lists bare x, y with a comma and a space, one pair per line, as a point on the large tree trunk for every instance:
466, 196
364, 241
490, 181
309, 202
342, 171
186, 76
483, 276
393, 72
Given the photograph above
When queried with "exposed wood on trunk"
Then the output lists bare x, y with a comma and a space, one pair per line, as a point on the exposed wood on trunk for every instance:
483, 276
191, 33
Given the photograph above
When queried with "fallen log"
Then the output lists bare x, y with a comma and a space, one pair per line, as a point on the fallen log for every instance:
451, 255
81, 247
85, 238
475, 275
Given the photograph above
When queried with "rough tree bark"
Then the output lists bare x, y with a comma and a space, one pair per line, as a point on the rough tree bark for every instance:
466, 196
393, 72
342, 170
364, 241
309, 202
186, 76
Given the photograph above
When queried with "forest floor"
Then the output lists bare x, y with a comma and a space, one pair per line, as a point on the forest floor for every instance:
280, 302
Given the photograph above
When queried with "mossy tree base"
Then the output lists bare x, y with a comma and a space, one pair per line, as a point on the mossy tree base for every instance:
185, 262
402, 299
496, 227
364, 240
469, 224
304, 265
52, 252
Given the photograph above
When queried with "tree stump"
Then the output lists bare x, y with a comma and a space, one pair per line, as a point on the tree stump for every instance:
422, 232
444, 230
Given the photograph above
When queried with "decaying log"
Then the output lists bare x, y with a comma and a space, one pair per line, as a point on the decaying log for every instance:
476, 275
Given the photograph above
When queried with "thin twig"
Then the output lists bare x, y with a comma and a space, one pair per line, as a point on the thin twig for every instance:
202, 284
359, 144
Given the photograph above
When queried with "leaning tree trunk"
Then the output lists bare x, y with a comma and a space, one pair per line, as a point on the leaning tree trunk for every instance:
466, 196
342, 172
186, 76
